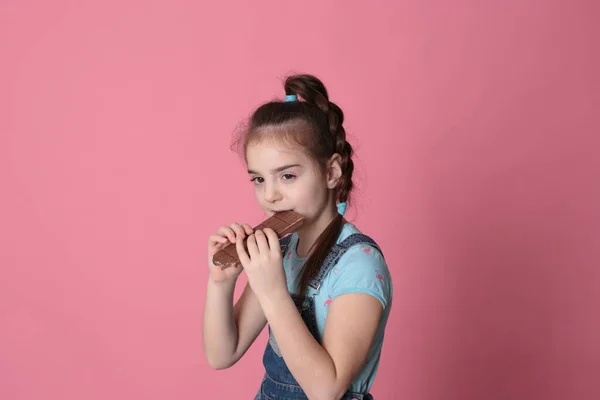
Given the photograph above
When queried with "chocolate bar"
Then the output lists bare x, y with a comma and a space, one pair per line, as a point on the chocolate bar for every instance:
283, 223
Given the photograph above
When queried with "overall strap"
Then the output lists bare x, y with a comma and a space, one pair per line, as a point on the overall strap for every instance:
284, 242
337, 252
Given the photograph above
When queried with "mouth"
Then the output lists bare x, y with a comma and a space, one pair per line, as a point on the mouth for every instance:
278, 211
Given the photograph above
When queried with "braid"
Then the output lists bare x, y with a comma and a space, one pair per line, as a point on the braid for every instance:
343, 148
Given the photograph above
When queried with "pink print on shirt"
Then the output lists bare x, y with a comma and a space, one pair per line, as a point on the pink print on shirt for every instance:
327, 302
379, 276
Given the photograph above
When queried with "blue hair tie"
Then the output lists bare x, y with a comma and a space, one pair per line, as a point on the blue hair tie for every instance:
290, 97
341, 207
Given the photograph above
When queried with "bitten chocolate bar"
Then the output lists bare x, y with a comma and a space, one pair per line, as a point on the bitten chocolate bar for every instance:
283, 223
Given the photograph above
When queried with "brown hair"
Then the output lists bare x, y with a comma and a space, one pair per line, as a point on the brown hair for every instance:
315, 123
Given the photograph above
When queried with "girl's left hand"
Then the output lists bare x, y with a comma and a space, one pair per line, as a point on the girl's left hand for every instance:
263, 263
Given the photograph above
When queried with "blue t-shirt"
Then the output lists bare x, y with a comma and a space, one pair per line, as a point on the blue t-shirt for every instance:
361, 269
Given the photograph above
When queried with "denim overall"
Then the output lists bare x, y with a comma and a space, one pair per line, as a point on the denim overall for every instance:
278, 382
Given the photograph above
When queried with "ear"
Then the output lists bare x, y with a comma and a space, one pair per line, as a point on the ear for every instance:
334, 171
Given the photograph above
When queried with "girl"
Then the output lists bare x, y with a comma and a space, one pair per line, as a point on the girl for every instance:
325, 291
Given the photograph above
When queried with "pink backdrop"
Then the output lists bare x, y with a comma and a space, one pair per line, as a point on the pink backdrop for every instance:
476, 127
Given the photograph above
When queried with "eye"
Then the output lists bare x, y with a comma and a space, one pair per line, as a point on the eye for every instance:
257, 180
287, 177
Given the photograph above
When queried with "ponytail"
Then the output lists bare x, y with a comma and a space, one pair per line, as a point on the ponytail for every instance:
313, 92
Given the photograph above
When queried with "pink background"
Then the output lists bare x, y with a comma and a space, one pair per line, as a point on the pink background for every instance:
476, 127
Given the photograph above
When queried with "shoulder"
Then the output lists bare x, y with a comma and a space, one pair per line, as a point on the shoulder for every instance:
358, 245
361, 268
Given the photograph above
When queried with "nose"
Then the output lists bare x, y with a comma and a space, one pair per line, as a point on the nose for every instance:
271, 193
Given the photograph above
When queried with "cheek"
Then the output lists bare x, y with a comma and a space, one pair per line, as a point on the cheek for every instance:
258, 194
311, 196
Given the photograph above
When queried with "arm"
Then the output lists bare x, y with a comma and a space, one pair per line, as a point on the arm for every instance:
325, 372
229, 331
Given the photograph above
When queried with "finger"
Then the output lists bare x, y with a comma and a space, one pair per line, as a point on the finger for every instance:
228, 233
262, 242
249, 230
252, 247
273, 240
217, 239
242, 254
239, 231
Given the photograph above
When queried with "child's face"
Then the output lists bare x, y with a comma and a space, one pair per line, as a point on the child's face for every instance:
285, 178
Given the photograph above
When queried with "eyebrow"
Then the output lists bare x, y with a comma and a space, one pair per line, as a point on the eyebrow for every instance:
278, 169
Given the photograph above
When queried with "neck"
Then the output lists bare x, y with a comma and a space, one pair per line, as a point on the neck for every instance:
308, 234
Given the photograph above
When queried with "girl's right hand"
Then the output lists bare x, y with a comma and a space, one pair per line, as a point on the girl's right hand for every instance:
226, 235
